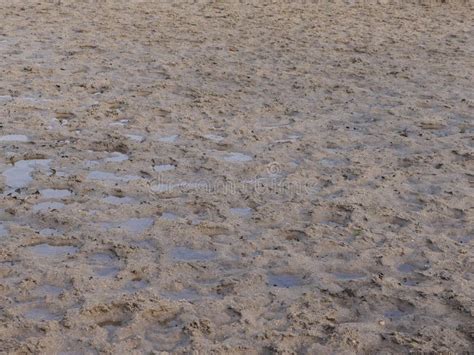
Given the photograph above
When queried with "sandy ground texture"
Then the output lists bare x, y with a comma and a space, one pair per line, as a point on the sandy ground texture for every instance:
285, 177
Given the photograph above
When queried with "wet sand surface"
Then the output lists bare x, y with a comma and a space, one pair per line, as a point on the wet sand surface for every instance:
259, 178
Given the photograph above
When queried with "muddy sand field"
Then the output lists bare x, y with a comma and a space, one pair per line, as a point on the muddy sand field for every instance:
227, 177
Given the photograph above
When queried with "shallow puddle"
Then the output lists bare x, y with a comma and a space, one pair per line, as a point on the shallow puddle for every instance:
349, 276
135, 285
242, 211
110, 177
466, 239
91, 163
116, 200
333, 163
19, 175
284, 280
14, 138
183, 186
107, 271
289, 139
120, 123
116, 157
168, 139
47, 250
214, 138
407, 268
49, 232
137, 225
47, 206
41, 314
135, 137
237, 158
101, 258
410, 282
3, 231
55, 193
168, 216
105, 264
147, 244
133, 225
184, 295
48, 291
394, 314
112, 327
188, 254
164, 167
162, 187
5, 98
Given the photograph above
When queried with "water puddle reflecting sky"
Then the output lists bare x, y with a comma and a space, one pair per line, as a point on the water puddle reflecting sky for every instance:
14, 138
19, 175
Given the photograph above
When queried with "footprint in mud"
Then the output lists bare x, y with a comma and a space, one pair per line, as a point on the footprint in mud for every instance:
285, 280
104, 264
413, 201
166, 333
410, 275
40, 312
294, 235
464, 239
111, 327
392, 223
188, 254
406, 268
398, 222
410, 282
395, 314
333, 216
133, 286
186, 294
424, 188
110, 318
